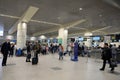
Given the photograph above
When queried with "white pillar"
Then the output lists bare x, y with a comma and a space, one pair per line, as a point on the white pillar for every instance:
88, 43
63, 34
65, 39
21, 35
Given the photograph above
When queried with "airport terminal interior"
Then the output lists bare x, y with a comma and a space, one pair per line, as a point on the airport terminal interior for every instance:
59, 39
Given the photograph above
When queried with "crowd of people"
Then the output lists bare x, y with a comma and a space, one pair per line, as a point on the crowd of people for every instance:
108, 51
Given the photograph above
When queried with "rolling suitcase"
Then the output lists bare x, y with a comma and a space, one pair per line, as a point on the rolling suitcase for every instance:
34, 60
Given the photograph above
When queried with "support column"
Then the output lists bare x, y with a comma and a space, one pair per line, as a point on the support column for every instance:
21, 35
65, 39
63, 34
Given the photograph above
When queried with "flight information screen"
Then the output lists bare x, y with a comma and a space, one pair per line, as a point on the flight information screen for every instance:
96, 38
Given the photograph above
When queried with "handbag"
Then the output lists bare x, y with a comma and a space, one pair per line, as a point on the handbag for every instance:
28, 55
113, 63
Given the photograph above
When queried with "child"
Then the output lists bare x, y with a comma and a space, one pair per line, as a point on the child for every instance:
60, 52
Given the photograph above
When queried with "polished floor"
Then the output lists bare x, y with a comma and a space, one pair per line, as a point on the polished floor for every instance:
50, 68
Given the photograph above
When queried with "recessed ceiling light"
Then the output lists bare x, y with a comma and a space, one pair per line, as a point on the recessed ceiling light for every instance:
100, 15
91, 24
80, 9
59, 17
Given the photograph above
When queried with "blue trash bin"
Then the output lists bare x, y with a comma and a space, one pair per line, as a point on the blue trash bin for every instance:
19, 52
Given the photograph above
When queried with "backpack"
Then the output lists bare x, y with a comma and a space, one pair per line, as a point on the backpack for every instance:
62, 48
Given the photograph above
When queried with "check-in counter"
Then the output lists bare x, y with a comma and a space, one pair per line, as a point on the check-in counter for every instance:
118, 55
96, 53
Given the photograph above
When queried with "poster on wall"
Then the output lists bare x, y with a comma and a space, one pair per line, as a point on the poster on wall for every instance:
60, 40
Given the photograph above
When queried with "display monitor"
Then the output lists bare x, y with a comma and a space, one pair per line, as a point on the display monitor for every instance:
117, 37
81, 38
72, 39
55, 40
48, 40
96, 38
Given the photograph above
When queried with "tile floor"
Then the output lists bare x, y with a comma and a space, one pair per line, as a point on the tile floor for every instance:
50, 68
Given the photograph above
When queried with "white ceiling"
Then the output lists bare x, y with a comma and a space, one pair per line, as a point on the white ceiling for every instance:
97, 13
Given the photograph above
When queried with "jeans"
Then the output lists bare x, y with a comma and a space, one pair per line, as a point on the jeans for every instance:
83, 53
60, 55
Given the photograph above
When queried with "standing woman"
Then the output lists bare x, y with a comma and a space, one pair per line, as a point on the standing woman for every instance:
61, 52
11, 50
69, 50
28, 52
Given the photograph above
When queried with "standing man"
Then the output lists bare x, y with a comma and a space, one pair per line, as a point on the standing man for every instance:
106, 56
5, 48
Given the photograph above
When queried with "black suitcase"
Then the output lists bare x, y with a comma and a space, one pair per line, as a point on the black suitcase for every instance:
34, 60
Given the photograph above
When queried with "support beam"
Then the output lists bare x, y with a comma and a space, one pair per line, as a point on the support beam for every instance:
36, 21
46, 31
69, 25
101, 32
66, 26
73, 24
102, 29
9, 16
78, 33
80, 28
82, 34
44, 22
25, 18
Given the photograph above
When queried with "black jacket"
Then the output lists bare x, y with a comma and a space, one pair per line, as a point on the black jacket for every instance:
12, 47
28, 48
5, 47
106, 54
